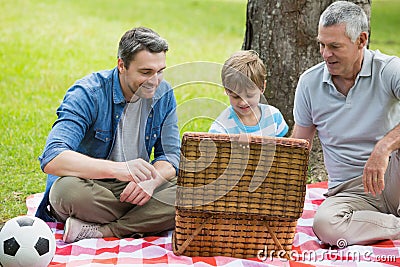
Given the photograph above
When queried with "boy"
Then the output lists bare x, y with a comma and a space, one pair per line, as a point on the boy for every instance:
243, 77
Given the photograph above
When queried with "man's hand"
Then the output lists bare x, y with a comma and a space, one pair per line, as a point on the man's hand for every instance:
138, 193
375, 168
136, 170
374, 173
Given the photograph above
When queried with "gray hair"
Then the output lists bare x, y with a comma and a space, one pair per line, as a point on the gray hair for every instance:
348, 13
138, 39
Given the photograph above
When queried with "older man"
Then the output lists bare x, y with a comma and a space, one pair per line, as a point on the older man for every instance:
353, 100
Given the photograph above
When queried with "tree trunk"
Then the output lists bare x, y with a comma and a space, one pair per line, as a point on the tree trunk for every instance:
283, 32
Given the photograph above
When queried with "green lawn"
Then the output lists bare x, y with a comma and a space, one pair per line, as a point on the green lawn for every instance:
385, 21
46, 45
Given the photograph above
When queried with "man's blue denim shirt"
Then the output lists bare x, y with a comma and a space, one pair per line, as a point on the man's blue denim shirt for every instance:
88, 118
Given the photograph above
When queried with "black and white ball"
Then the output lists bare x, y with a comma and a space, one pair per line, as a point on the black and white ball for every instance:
26, 241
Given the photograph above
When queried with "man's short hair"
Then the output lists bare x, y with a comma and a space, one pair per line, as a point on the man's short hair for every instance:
138, 39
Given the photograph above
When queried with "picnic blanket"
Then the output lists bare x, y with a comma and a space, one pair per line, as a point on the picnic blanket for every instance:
157, 251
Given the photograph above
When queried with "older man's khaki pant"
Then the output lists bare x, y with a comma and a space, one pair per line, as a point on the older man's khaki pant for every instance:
349, 215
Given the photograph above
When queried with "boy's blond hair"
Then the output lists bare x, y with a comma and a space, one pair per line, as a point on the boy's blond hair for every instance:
243, 70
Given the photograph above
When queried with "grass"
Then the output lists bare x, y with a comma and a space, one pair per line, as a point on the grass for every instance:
384, 23
46, 45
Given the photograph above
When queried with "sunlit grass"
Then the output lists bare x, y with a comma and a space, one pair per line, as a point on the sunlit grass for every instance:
385, 21
46, 45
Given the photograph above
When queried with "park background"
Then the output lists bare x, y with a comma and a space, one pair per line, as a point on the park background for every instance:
45, 46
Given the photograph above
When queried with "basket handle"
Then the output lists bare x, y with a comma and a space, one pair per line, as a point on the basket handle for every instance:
242, 138
276, 240
190, 239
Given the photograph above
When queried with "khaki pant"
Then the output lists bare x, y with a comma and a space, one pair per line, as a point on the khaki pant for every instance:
97, 201
350, 215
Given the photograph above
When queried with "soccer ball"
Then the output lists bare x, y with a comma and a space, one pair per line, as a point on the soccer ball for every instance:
26, 241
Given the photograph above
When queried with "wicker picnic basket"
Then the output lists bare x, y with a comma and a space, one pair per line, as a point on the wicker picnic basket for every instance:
238, 194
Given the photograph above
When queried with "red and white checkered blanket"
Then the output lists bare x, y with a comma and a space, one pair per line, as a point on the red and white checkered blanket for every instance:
157, 251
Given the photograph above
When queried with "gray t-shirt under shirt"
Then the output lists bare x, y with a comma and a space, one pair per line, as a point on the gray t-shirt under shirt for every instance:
129, 142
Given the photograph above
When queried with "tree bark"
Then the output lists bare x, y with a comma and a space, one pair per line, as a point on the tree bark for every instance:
283, 32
